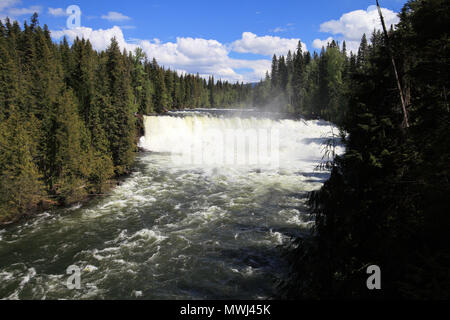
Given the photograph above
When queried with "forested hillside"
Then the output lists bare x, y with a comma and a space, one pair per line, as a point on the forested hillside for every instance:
386, 202
313, 86
67, 113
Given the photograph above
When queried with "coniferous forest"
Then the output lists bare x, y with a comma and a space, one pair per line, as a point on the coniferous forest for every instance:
385, 203
313, 86
70, 123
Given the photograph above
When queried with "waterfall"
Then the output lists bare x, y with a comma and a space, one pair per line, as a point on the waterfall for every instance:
203, 140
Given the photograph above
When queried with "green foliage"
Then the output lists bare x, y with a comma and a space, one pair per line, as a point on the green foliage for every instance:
385, 203
120, 127
311, 87
20, 181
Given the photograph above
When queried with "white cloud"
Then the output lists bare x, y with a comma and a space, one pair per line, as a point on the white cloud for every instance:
100, 39
279, 29
8, 3
354, 24
288, 27
352, 46
115, 16
191, 55
318, 44
57, 12
8, 9
266, 45
207, 57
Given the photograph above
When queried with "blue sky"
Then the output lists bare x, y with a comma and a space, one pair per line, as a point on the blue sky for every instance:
233, 40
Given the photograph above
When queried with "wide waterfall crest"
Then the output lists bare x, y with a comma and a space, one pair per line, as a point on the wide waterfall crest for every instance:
245, 142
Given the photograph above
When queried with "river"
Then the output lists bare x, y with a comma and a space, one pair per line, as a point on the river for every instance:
181, 226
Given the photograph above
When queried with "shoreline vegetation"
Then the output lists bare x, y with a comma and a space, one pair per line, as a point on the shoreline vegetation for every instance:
385, 203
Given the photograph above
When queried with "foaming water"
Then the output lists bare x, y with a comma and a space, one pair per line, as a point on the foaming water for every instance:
174, 230
205, 141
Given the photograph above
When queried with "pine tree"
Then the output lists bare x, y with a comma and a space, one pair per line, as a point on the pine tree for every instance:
212, 93
170, 88
9, 83
323, 91
160, 94
141, 89
120, 127
82, 79
335, 68
362, 52
283, 74
20, 181
298, 80
68, 162
275, 78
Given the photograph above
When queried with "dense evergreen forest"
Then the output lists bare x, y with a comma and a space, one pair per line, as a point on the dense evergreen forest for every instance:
313, 86
67, 114
386, 201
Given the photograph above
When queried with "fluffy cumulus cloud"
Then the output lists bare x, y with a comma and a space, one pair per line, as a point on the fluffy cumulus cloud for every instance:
318, 44
12, 9
100, 38
352, 25
265, 45
115, 17
188, 55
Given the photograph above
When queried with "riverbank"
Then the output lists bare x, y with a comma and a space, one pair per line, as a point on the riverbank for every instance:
81, 195
47, 204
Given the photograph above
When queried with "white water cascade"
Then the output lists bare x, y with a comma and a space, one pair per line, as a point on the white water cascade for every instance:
202, 140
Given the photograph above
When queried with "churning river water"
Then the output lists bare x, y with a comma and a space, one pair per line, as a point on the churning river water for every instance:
181, 226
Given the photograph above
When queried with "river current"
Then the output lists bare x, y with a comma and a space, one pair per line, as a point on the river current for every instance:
180, 226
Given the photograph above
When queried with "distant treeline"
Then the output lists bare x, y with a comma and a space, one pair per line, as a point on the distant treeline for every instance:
313, 86
386, 202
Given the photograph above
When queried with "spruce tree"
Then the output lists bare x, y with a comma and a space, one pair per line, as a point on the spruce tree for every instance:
20, 181
120, 127
275, 78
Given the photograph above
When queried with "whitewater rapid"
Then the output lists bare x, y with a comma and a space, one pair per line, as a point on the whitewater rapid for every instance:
233, 142
201, 229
